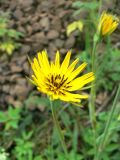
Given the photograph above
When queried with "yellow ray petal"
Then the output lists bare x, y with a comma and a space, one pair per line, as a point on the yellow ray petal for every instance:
71, 67
81, 81
37, 80
36, 64
65, 63
57, 60
77, 71
45, 59
71, 97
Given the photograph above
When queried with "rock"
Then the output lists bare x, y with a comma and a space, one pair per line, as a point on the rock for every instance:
14, 77
18, 14
4, 79
13, 4
13, 102
36, 27
35, 18
15, 68
45, 5
37, 47
22, 21
19, 91
56, 24
52, 34
26, 67
63, 13
6, 88
52, 50
43, 14
22, 29
63, 51
22, 59
59, 43
21, 81
61, 2
25, 49
40, 38
29, 29
45, 23
70, 42
9, 99
26, 3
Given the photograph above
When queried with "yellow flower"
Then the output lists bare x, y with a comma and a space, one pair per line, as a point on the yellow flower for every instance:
59, 81
107, 24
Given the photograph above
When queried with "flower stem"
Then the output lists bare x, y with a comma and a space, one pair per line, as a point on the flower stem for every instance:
93, 89
93, 92
61, 137
105, 133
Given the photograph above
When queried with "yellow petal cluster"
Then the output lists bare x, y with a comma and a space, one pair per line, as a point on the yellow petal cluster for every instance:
107, 24
59, 81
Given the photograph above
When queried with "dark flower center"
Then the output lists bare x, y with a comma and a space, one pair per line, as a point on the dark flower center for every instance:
55, 82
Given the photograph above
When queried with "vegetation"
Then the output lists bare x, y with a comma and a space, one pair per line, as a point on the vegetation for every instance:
8, 36
67, 127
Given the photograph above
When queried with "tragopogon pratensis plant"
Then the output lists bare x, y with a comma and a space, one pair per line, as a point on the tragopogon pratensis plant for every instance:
107, 24
59, 81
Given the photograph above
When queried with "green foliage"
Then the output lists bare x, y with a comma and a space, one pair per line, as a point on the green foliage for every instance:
78, 135
3, 154
35, 101
8, 36
10, 118
73, 26
72, 155
89, 6
109, 69
24, 146
112, 142
86, 5
38, 158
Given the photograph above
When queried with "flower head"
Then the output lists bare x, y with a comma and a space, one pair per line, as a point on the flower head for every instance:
107, 24
59, 81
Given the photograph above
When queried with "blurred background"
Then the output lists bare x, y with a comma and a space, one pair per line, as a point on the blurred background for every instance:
29, 26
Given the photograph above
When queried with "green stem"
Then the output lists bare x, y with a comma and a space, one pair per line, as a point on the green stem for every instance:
105, 133
93, 89
93, 92
100, 6
61, 137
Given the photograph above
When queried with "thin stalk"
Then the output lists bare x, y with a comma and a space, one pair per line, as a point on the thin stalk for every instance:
93, 93
93, 89
61, 137
105, 133
100, 6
